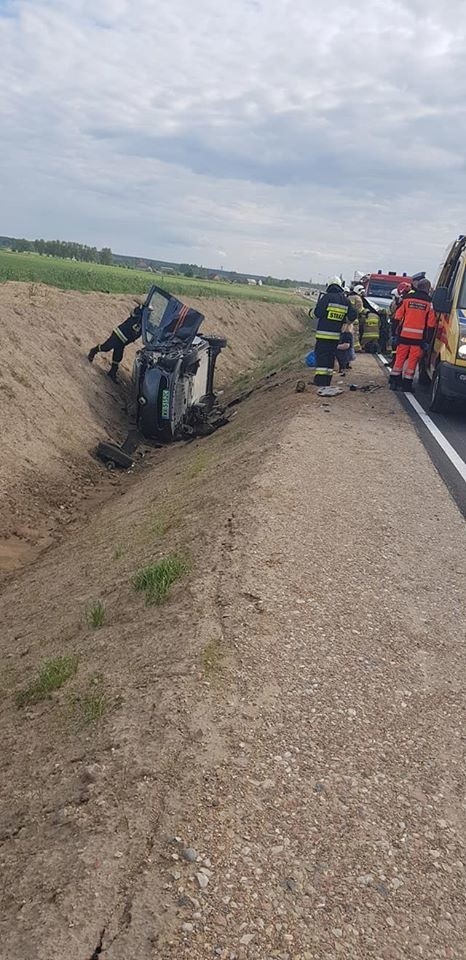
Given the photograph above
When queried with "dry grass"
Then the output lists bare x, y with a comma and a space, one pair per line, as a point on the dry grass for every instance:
96, 614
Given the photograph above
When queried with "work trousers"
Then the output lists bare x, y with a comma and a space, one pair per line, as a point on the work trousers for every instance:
113, 343
325, 352
407, 358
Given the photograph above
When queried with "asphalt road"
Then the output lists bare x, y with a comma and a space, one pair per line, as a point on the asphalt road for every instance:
444, 436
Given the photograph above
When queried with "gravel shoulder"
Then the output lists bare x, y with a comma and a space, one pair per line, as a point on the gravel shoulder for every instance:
294, 720
335, 824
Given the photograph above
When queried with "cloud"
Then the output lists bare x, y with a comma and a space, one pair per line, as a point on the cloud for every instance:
268, 135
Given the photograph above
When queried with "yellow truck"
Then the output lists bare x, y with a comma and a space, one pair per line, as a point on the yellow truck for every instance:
444, 368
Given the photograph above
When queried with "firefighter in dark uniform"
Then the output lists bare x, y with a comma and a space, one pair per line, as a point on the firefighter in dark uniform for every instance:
331, 311
126, 332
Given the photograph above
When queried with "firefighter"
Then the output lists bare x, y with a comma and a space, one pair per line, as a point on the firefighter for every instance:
369, 329
355, 299
126, 332
415, 323
331, 311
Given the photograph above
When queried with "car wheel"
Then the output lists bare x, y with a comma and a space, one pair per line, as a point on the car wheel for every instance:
437, 397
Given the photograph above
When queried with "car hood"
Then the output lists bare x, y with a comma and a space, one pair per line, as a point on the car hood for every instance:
378, 303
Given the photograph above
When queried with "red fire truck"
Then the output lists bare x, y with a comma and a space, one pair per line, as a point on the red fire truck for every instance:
379, 286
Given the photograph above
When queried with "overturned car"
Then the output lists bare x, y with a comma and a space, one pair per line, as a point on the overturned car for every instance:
173, 378
173, 374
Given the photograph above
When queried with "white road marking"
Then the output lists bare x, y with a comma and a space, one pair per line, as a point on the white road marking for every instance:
383, 360
437, 434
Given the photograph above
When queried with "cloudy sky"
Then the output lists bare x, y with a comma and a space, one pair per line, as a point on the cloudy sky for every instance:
291, 137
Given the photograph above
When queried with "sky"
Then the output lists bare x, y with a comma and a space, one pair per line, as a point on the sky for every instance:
286, 137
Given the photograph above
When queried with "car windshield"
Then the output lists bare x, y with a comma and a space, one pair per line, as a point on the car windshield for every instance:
380, 288
153, 314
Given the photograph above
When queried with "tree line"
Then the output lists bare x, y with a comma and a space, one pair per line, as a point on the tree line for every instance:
65, 249
203, 273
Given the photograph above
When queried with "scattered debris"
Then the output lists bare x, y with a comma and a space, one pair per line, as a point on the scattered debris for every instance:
329, 391
366, 387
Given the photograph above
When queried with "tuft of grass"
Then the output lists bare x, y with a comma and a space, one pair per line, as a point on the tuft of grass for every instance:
96, 614
52, 675
156, 579
92, 705
119, 552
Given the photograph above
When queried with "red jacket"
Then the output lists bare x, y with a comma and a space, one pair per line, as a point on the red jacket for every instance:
414, 317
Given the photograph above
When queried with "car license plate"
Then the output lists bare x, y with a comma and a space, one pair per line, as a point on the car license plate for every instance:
165, 404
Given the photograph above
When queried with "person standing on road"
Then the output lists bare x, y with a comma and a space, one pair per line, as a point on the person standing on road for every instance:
345, 349
127, 332
331, 312
355, 299
415, 324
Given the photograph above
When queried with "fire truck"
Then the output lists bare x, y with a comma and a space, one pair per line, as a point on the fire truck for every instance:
379, 287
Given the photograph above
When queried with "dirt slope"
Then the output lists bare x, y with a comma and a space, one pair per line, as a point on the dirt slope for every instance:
54, 406
295, 712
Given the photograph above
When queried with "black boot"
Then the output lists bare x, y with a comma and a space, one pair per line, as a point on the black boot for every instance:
112, 373
92, 353
407, 385
393, 381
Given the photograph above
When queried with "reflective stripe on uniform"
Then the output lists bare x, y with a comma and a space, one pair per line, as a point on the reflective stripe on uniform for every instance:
321, 371
415, 330
371, 329
327, 336
120, 335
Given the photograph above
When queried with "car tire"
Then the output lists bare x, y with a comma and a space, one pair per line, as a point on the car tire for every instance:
437, 397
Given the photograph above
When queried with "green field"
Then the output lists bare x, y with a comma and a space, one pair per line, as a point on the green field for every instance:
71, 275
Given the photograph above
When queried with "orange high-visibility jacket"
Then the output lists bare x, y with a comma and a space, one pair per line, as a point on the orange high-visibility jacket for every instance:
414, 317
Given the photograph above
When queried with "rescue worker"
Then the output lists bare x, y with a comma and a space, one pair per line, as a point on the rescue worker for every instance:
332, 310
369, 329
415, 324
403, 288
126, 332
355, 299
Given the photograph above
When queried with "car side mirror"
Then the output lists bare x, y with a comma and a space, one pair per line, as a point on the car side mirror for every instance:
441, 300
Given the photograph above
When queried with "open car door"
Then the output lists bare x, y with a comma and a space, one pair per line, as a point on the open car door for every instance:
165, 318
